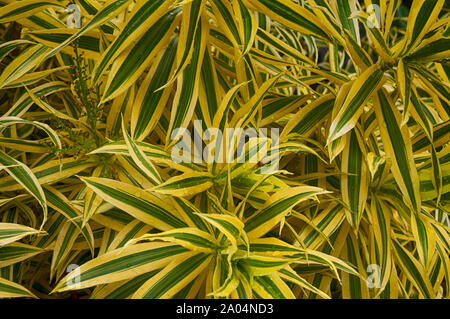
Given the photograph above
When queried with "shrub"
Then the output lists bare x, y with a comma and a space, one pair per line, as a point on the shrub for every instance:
103, 194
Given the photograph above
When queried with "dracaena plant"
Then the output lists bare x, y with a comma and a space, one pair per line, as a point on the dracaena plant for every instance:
103, 193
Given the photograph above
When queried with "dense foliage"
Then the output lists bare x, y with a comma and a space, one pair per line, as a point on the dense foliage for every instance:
351, 200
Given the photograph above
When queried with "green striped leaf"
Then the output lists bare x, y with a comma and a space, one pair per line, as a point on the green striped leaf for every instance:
16, 252
144, 14
27, 60
150, 102
305, 120
120, 264
185, 184
7, 47
140, 204
188, 83
397, 145
276, 207
140, 158
111, 9
63, 245
130, 64
352, 106
433, 51
355, 181
9, 289
190, 238
11, 120
25, 178
413, 270
25, 8
292, 15
421, 17
61, 203
174, 277
48, 173
10, 232
381, 253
